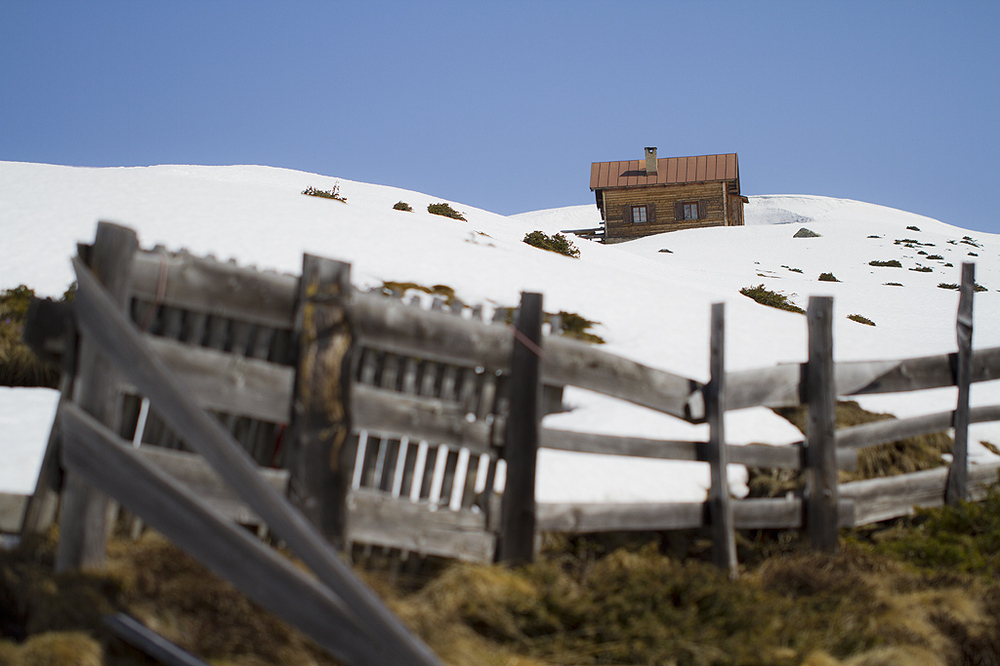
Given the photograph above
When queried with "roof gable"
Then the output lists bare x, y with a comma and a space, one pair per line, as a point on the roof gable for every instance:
669, 171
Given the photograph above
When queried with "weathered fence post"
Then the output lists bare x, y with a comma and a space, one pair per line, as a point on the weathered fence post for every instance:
720, 509
322, 448
83, 515
821, 494
517, 521
958, 475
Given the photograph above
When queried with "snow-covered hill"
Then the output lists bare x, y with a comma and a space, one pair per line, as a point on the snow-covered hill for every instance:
651, 296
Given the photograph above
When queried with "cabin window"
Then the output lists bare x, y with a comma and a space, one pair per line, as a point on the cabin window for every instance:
691, 210
639, 214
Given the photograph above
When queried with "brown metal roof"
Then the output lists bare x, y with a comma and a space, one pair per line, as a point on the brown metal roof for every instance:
669, 170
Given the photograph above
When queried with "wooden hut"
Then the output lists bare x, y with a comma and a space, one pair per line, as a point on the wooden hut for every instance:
643, 197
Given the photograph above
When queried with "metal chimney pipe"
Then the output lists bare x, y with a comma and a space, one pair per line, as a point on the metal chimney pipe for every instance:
651, 160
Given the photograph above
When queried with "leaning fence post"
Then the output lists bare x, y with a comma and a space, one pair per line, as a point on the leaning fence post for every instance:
517, 521
958, 475
720, 509
821, 515
83, 515
322, 449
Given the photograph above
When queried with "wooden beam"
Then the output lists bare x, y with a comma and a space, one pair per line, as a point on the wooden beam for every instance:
198, 476
205, 285
517, 521
118, 338
896, 496
397, 522
787, 456
582, 518
958, 477
83, 516
582, 442
571, 362
391, 413
389, 325
821, 521
228, 383
720, 510
891, 430
778, 386
149, 642
321, 450
765, 513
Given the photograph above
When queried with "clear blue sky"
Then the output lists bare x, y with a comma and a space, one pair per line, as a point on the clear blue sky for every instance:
504, 105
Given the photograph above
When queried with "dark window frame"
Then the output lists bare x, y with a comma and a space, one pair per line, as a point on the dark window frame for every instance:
684, 209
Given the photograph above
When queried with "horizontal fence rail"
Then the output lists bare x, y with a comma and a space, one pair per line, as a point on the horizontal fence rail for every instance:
779, 386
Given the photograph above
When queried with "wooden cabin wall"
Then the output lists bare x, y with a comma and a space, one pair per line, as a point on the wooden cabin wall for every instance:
663, 198
736, 218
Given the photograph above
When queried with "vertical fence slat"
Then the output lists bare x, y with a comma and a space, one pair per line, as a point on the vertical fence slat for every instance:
821, 517
957, 489
322, 453
83, 517
517, 523
720, 509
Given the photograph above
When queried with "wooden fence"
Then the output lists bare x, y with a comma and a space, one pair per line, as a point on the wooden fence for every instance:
388, 425
90, 458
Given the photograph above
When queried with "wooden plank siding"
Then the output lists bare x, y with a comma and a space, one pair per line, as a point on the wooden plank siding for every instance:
663, 199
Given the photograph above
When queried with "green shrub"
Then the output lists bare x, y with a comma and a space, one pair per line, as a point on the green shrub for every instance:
770, 298
575, 326
445, 210
893, 284
968, 240
333, 193
934, 256
911, 454
555, 243
874, 236
922, 269
955, 287
962, 538
571, 324
912, 228
400, 288
18, 364
794, 270
828, 277
861, 320
892, 263
402, 205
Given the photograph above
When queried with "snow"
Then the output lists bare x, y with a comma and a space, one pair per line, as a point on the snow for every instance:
26, 416
653, 306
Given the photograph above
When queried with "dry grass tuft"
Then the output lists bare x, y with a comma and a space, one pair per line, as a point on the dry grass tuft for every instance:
902, 457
